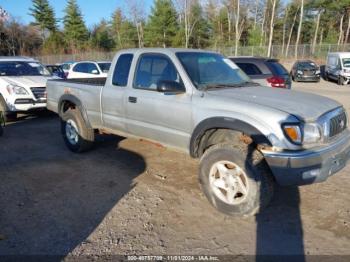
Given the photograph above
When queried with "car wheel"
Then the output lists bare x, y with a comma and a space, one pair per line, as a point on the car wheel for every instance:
77, 136
341, 80
326, 77
235, 180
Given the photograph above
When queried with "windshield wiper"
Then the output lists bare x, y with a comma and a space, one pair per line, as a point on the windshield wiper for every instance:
235, 85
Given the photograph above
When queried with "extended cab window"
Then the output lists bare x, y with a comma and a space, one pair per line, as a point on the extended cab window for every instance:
121, 70
152, 68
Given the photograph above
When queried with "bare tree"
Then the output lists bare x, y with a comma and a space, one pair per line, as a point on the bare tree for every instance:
341, 31
318, 18
291, 31
299, 28
272, 25
284, 29
347, 31
137, 14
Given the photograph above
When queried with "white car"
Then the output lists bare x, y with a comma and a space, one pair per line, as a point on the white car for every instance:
338, 67
89, 69
22, 85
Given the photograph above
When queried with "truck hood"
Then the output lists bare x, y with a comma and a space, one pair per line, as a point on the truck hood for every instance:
27, 81
305, 106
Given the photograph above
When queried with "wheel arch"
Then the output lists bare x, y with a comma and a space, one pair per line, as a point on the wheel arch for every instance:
211, 125
68, 101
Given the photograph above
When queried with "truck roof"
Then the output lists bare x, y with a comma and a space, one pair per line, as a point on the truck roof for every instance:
16, 58
165, 50
340, 54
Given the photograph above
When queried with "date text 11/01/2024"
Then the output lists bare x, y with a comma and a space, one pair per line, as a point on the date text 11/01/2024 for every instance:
173, 258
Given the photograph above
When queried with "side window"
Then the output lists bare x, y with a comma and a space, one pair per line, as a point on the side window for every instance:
92, 68
152, 68
80, 68
122, 69
249, 69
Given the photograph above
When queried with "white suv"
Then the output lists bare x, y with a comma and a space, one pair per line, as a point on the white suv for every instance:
89, 69
22, 85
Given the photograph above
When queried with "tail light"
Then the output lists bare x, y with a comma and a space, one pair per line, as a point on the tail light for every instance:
276, 81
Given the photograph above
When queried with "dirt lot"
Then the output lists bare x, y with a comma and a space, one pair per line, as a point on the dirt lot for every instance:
132, 197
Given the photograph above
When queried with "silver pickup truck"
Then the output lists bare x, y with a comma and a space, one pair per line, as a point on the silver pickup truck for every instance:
248, 137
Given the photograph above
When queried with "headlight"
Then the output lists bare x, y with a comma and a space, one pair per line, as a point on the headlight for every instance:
18, 90
318, 72
311, 133
293, 133
299, 72
308, 133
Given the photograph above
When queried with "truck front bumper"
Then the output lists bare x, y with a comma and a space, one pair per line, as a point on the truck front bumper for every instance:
309, 166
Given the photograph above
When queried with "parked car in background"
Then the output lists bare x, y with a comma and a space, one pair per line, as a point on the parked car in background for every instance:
338, 67
265, 71
56, 70
89, 69
66, 66
22, 85
305, 71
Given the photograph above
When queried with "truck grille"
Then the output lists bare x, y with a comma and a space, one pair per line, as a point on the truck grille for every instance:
39, 92
337, 124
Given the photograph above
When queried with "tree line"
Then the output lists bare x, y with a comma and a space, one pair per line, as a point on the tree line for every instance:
181, 23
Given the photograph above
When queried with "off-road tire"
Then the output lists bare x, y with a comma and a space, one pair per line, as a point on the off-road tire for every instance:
86, 135
251, 161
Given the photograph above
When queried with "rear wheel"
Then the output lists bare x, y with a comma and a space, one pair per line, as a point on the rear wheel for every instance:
237, 181
341, 80
77, 136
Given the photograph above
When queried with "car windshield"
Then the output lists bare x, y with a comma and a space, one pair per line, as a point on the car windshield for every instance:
210, 69
346, 62
21, 68
104, 67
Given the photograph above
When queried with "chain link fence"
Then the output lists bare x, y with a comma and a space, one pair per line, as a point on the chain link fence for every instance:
318, 52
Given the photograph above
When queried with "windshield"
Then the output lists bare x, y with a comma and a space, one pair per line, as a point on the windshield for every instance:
277, 68
307, 65
20, 68
104, 67
207, 69
346, 62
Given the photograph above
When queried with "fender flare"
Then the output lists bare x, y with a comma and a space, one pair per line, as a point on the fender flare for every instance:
73, 99
224, 123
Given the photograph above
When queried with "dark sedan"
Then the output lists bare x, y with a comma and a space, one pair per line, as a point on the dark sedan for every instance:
305, 71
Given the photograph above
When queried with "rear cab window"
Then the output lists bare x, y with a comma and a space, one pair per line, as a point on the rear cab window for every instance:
121, 70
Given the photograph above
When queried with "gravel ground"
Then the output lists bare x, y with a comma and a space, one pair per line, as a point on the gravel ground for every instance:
133, 197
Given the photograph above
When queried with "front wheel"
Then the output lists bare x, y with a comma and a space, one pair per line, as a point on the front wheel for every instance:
341, 80
236, 181
76, 135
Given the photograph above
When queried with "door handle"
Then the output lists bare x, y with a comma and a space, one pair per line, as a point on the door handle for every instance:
132, 99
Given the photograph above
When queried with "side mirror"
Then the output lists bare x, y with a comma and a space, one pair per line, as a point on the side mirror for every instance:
94, 72
168, 86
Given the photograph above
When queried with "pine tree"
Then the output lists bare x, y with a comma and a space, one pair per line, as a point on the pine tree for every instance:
75, 31
162, 26
44, 15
